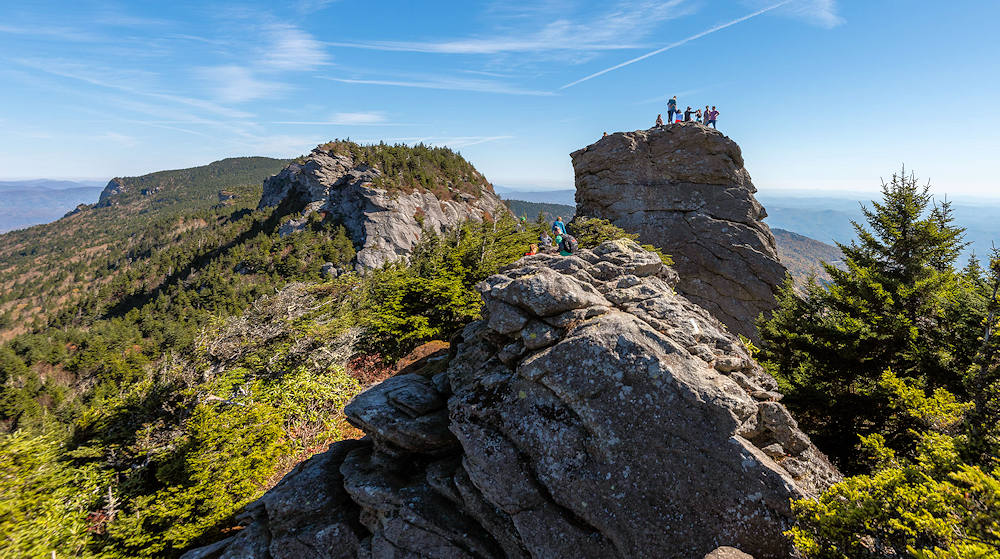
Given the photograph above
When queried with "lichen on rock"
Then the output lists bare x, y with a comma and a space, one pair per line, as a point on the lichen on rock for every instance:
604, 415
683, 188
385, 223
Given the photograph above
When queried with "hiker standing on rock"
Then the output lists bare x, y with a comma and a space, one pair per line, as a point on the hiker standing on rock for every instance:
706, 115
671, 108
714, 114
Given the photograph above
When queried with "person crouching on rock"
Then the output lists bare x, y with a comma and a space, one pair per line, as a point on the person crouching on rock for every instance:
567, 244
697, 116
659, 120
532, 250
687, 114
545, 240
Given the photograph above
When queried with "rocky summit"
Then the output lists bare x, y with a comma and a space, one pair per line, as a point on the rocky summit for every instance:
683, 188
385, 222
593, 412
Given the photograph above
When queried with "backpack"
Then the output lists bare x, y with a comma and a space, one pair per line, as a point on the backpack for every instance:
571, 245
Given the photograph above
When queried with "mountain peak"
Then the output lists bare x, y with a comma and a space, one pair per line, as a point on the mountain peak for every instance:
384, 195
684, 189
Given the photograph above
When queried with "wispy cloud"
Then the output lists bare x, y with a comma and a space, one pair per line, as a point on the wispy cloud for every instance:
817, 12
676, 44
117, 138
118, 80
291, 48
237, 84
446, 83
346, 119
311, 6
49, 32
617, 28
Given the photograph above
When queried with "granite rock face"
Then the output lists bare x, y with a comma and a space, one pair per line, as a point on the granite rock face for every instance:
114, 187
684, 189
386, 225
602, 415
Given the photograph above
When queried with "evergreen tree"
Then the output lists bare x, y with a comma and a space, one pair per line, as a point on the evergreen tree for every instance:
892, 307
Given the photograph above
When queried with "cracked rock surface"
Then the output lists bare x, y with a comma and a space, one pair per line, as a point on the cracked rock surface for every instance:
386, 225
683, 188
602, 416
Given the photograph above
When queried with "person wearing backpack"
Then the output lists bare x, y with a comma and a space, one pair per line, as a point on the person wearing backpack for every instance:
671, 109
558, 226
571, 244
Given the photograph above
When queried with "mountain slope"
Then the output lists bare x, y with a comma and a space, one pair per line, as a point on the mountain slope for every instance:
51, 266
802, 255
189, 353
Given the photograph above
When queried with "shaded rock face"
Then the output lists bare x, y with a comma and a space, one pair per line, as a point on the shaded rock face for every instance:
386, 226
683, 188
114, 187
592, 413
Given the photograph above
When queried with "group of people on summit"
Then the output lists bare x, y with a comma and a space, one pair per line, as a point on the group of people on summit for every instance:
560, 239
706, 117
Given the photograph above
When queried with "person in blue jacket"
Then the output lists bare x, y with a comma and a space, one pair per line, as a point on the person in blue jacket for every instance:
558, 226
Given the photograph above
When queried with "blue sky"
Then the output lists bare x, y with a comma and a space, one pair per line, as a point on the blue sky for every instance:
820, 94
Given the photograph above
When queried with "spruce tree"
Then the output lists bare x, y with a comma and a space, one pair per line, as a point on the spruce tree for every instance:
891, 307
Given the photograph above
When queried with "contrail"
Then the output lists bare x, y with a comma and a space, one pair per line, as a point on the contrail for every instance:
678, 43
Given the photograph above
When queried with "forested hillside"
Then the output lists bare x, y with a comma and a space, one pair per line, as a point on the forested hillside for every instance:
149, 235
174, 370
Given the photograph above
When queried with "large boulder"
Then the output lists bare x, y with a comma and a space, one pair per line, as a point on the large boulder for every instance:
684, 189
604, 416
385, 223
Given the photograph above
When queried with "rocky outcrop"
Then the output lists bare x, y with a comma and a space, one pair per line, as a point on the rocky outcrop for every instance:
684, 189
592, 413
385, 224
114, 187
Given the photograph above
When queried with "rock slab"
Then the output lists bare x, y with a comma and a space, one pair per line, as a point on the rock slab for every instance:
684, 189
386, 225
612, 418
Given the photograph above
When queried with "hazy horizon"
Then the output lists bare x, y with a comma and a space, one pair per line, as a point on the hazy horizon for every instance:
819, 94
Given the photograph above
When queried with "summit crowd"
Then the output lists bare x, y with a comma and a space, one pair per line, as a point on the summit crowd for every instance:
708, 117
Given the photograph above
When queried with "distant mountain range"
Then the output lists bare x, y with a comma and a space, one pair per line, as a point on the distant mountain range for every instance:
31, 202
566, 197
828, 219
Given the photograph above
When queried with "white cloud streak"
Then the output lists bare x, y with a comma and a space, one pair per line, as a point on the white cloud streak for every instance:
346, 119
291, 48
678, 43
816, 12
237, 84
113, 80
613, 30
453, 84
